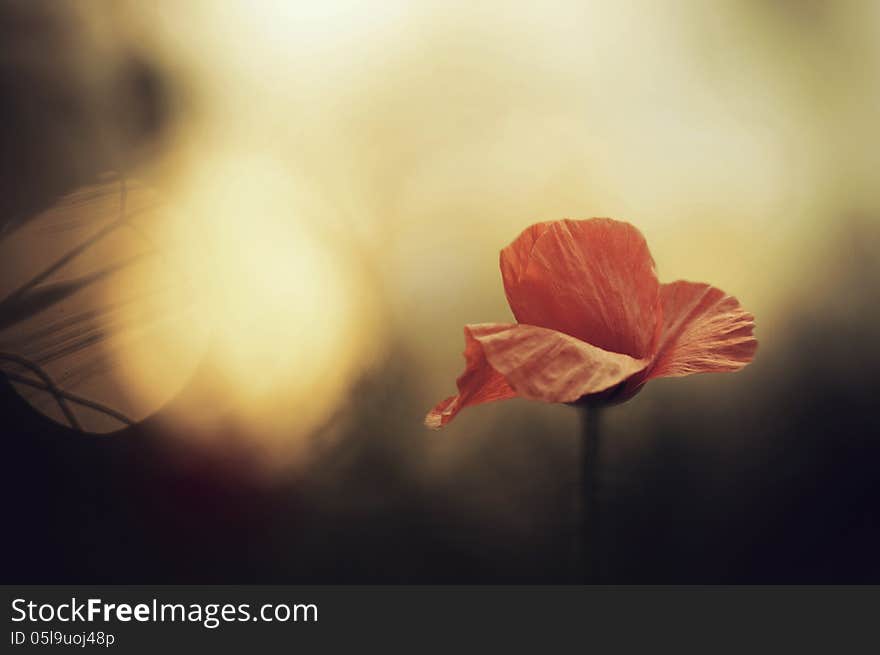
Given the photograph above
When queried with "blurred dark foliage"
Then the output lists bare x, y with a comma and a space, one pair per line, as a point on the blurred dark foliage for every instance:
63, 121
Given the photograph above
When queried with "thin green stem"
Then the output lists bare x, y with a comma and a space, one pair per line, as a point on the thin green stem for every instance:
590, 518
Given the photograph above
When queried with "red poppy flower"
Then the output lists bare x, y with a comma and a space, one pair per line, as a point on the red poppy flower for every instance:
593, 322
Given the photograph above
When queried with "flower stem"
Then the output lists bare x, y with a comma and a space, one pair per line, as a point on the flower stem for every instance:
589, 495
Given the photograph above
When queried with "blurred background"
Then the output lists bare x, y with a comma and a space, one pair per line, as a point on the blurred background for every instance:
281, 214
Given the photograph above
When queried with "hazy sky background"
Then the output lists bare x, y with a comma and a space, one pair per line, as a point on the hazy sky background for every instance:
738, 136
340, 176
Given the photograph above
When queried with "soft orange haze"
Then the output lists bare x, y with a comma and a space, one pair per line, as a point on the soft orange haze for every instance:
340, 177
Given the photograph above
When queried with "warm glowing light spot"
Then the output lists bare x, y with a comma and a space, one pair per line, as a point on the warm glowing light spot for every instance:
287, 315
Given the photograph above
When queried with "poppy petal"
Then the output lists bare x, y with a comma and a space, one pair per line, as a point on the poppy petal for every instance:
543, 364
480, 383
704, 330
532, 362
592, 279
515, 257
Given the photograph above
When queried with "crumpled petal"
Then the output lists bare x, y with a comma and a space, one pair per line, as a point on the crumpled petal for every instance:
543, 364
704, 331
515, 257
507, 360
592, 279
479, 383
